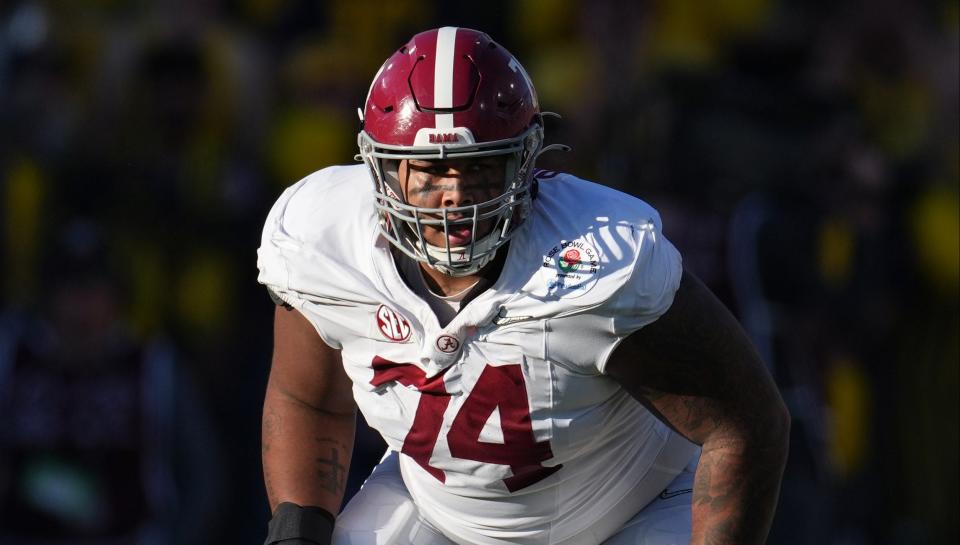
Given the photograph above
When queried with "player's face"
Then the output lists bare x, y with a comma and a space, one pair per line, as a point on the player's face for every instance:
452, 184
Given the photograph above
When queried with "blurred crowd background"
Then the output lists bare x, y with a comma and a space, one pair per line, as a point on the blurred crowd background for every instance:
803, 154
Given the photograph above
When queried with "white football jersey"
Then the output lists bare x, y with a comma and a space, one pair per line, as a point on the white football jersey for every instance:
509, 429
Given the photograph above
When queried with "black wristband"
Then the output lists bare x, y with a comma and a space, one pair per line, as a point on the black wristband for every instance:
309, 524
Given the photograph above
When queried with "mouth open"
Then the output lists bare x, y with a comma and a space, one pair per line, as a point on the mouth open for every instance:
459, 236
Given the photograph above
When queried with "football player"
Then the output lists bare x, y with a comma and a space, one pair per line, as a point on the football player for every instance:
540, 365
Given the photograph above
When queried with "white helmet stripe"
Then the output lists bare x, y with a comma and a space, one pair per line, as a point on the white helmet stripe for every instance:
443, 75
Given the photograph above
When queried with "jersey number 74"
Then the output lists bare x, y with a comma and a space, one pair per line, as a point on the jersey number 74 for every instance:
500, 386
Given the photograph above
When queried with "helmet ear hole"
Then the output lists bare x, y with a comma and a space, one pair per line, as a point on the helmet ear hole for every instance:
391, 178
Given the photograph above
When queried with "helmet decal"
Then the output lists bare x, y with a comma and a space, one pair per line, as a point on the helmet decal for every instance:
443, 76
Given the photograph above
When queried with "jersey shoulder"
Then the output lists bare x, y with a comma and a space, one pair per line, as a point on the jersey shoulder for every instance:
594, 240
600, 268
578, 201
320, 228
330, 201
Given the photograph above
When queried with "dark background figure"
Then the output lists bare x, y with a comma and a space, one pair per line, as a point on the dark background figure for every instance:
103, 437
804, 157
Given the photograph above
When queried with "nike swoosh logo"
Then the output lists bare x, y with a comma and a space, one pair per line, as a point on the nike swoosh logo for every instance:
504, 320
500, 319
667, 494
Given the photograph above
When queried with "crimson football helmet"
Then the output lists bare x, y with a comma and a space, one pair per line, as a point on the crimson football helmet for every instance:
451, 93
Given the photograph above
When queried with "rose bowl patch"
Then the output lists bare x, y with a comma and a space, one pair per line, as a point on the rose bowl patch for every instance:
570, 268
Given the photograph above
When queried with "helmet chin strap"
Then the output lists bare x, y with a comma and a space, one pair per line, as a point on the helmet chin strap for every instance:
439, 257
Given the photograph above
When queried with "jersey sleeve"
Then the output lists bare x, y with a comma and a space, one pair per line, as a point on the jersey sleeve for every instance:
641, 275
272, 259
653, 281
286, 259
649, 290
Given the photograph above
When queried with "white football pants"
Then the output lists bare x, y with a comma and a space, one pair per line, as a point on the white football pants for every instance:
382, 513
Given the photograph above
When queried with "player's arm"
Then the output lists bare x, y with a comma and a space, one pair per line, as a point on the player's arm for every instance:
696, 369
308, 424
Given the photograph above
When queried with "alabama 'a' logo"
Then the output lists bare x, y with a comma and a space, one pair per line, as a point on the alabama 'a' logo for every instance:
392, 325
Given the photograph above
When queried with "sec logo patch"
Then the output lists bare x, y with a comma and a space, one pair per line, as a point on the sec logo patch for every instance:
392, 325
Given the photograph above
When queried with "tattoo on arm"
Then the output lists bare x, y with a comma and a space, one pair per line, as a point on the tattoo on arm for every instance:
695, 369
272, 426
330, 460
332, 472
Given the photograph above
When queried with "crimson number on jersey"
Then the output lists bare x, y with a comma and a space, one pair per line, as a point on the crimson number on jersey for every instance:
499, 386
